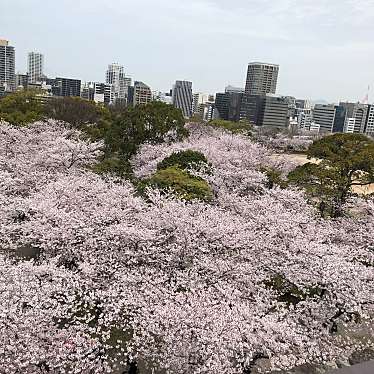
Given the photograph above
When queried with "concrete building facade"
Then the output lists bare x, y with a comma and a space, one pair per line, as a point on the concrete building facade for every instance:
182, 97
35, 66
369, 128
66, 87
273, 111
7, 67
324, 116
115, 75
98, 92
261, 79
250, 108
142, 94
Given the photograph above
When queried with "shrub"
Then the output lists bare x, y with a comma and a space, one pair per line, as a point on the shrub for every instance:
182, 160
274, 178
22, 107
234, 127
184, 185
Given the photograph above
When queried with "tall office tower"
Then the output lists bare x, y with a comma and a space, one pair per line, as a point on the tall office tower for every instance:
115, 75
324, 116
182, 97
261, 78
7, 67
273, 111
340, 119
35, 66
228, 105
360, 115
142, 94
65, 87
250, 108
222, 104
235, 104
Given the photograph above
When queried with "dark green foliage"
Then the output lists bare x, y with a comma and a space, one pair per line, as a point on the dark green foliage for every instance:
151, 123
22, 107
183, 184
274, 178
241, 127
113, 165
346, 160
76, 111
196, 118
183, 160
289, 293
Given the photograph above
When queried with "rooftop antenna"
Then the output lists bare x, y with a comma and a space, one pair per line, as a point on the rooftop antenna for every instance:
365, 100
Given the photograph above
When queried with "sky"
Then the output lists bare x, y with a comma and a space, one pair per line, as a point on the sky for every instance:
325, 48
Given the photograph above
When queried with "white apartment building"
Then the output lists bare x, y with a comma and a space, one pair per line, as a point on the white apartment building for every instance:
370, 121
35, 67
350, 125
115, 75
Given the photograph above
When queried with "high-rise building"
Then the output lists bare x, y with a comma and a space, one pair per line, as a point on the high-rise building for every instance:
222, 104
261, 78
340, 118
330, 117
324, 116
369, 128
115, 75
142, 94
35, 66
65, 87
303, 113
7, 67
360, 115
182, 97
250, 108
273, 111
235, 103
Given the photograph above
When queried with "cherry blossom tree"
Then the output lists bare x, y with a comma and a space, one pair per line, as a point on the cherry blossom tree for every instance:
165, 284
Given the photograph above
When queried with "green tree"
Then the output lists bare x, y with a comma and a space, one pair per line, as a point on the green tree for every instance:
196, 118
22, 107
241, 127
346, 160
183, 160
153, 122
181, 182
78, 112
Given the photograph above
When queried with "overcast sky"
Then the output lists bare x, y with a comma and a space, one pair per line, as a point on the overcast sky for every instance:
325, 48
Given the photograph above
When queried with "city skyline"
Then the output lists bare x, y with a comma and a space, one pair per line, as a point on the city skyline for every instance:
313, 59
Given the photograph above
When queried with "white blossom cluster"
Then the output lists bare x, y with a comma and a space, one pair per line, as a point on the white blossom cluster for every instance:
93, 277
